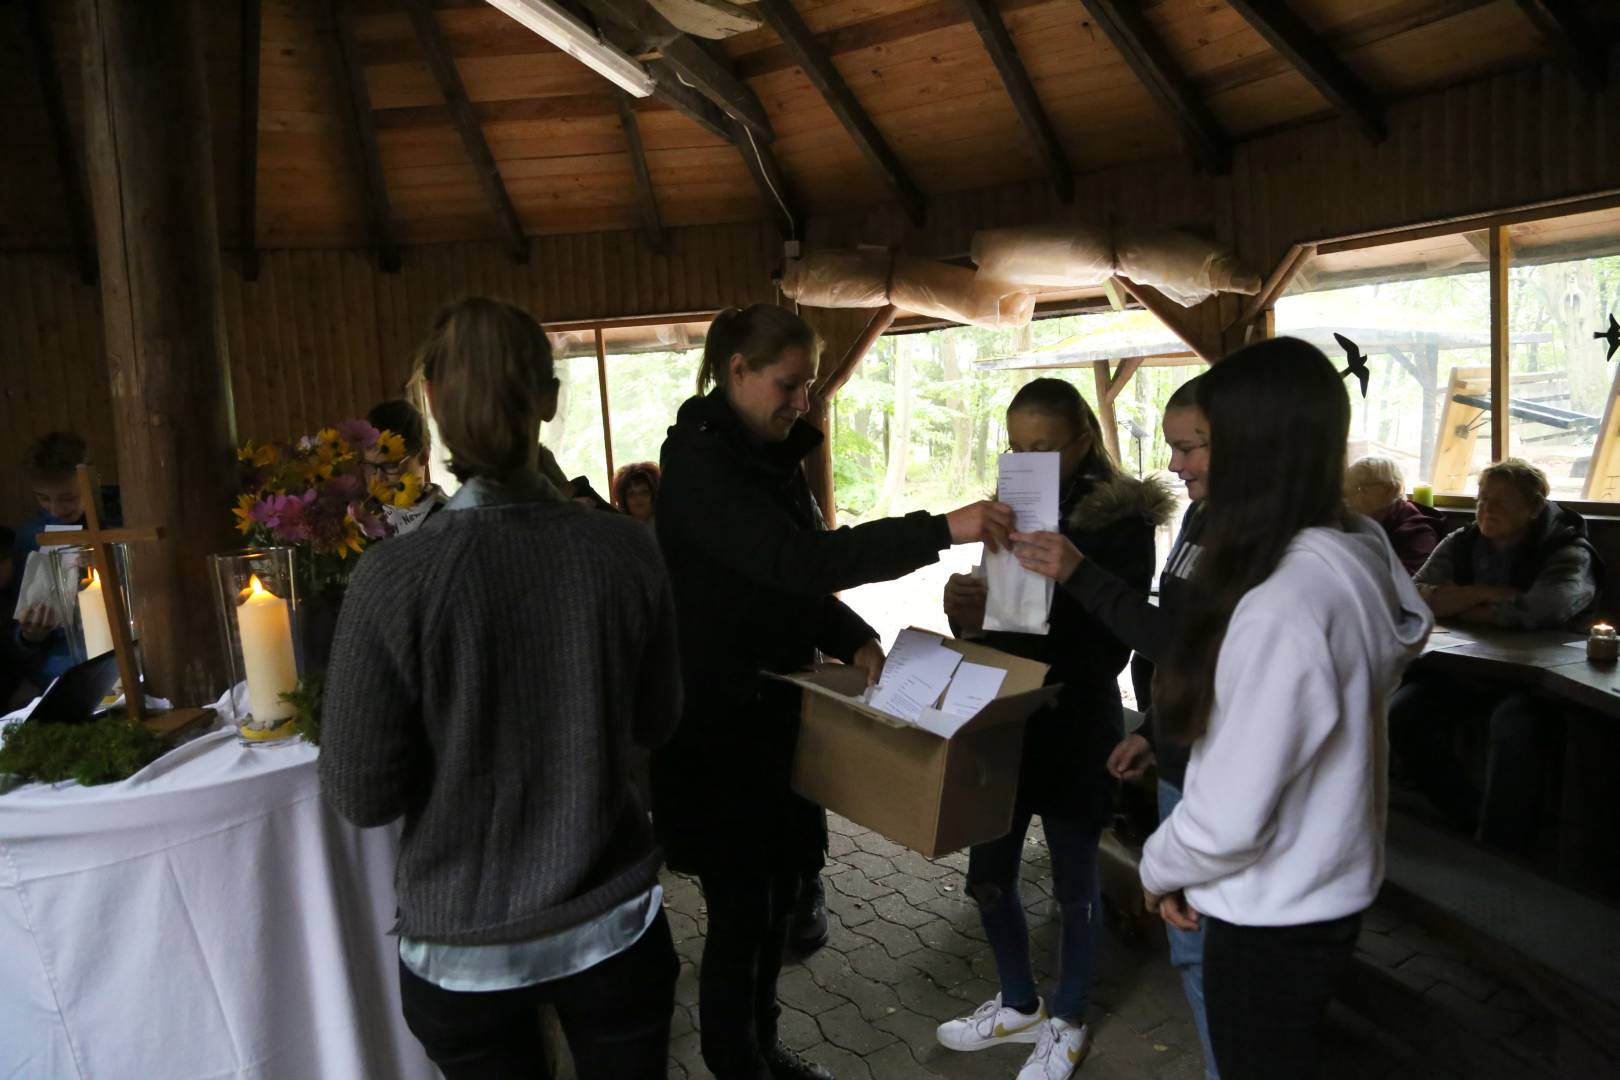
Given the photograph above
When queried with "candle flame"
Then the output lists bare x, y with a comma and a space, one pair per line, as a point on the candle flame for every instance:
255, 588
1602, 628
95, 578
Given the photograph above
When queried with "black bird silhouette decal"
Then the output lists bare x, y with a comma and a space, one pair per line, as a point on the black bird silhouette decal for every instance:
1358, 362
1611, 335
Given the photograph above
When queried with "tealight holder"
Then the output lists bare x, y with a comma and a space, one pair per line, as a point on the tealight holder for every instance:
258, 606
1602, 644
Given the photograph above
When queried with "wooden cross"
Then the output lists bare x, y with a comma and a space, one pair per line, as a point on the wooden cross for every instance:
99, 541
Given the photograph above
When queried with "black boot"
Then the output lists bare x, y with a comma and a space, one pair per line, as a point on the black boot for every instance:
786, 1064
808, 931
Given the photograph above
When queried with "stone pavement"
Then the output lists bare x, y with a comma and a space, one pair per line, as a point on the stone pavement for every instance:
907, 952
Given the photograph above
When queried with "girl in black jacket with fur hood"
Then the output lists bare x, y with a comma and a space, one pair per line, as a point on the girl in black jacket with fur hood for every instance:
1111, 518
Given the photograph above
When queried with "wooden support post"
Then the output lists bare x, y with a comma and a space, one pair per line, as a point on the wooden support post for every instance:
652, 223
82, 228
152, 177
1185, 323
248, 159
1276, 283
362, 128
471, 131
829, 384
1105, 409
1501, 387
607, 419
822, 395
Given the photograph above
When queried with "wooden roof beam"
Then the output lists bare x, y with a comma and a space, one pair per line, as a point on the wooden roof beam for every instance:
1583, 50
819, 69
695, 65
688, 102
467, 126
248, 159
1037, 125
652, 222
1125, 25
80, 226
1302, 47
768, 178
362, 133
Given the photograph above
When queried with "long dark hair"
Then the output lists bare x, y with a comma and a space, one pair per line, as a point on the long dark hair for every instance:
759, 332
1059, 398
1278, 419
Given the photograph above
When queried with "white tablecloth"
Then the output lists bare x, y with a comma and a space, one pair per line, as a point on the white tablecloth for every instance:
208, 917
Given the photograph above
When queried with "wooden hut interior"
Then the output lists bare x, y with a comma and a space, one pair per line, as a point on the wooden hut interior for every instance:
225, 221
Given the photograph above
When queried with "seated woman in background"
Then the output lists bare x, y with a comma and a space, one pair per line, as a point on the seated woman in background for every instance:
1524, 564
635, 490
1374, 486
1299, 620
1109, 518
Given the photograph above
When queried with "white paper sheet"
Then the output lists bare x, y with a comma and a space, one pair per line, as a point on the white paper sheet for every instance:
915, 674
972, 688
1020, 600
36, 588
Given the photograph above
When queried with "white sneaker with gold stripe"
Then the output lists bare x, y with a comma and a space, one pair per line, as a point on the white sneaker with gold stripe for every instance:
992, 1025
1061, 1048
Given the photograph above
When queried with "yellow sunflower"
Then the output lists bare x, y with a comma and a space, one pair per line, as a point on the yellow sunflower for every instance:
244, 512
391, 447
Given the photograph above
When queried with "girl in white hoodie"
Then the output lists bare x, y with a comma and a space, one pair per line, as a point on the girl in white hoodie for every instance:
1299, 624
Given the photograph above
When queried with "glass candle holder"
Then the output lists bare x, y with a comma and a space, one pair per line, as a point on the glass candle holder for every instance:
258, 614
79, 602
1602, 645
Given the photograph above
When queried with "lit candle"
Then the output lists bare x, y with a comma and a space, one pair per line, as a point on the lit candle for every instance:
267, 653
1423, 494
98, 637
1603, 645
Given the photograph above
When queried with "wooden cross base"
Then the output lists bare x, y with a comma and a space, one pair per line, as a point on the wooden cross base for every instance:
176, 723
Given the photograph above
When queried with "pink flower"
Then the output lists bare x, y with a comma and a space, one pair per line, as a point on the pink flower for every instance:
370, 525
283, 515
358, 434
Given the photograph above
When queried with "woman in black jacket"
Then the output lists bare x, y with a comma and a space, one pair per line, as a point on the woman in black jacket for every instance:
1110, 517
755, 572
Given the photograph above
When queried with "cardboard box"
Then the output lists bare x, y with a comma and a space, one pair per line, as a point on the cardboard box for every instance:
931, 794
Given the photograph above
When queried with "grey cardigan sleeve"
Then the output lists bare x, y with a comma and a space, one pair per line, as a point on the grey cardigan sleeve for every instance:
1563, 589
1441, 567
1129, 616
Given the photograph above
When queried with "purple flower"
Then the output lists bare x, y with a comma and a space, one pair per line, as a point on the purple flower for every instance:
358, 434
370, 525
283, 515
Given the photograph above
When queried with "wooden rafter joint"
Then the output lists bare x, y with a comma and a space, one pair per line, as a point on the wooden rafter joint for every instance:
1311, 56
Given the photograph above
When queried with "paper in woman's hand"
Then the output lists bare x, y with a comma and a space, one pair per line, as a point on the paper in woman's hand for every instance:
1020, 600
36, 589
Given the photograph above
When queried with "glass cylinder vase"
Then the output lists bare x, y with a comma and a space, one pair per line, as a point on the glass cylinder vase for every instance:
79, 600
258, 602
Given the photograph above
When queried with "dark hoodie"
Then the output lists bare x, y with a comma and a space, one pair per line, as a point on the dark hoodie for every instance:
1555, 565
1413, 531
1066, 746
755, 570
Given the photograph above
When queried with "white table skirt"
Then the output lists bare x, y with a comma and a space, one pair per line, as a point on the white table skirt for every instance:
208, 917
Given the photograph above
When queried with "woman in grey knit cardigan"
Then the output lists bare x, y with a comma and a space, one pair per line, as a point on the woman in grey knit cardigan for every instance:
490, 675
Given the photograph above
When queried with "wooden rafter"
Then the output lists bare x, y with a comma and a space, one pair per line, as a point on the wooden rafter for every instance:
688, 102
1569, 31
768, 177
695, 65
80, 225
1287, 268
1123, 22
1289, 34
1182, 322
248, 159
363, 135
467, 126
812, 58
652, 222
1037, 125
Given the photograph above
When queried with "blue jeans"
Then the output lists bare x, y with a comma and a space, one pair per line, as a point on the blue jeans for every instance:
1187, 954
992, 881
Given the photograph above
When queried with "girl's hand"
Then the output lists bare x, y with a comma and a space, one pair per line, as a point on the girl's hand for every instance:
1130, 758
1049, 554
1175, 910
988, 521
37, 622
869, 658
965, 597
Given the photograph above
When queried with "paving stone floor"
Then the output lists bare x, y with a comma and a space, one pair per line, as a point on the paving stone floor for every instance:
907, 952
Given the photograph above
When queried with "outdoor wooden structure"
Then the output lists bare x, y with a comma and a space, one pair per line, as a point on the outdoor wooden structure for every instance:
322, 174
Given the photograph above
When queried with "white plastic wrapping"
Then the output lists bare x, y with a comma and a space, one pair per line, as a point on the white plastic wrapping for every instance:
1062, 256
862, 279
839, 279
1186, 268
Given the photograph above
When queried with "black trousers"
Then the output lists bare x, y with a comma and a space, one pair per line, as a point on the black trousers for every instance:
616, 1016
1267, 989
749, 915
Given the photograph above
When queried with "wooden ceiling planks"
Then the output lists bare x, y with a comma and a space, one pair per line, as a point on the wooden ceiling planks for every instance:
918, 68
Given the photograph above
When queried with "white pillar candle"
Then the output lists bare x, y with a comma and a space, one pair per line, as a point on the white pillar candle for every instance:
98, 637
267, 652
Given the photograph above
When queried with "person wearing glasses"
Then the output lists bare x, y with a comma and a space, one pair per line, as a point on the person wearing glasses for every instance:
408, 474
1374, 486
1111, 518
